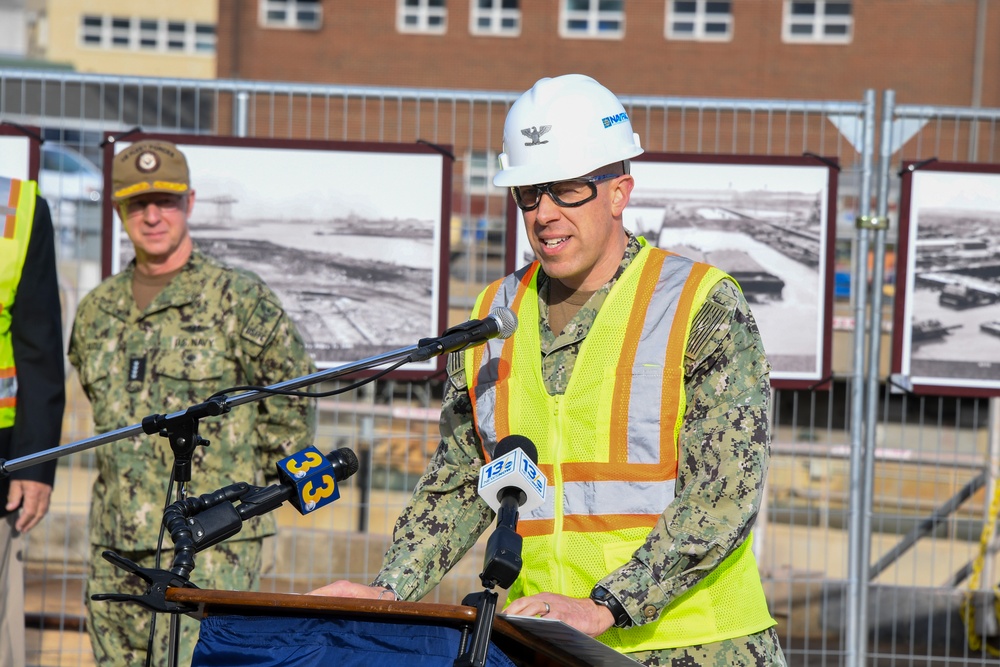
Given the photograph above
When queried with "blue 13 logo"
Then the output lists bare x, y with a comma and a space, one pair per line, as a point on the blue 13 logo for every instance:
533, 475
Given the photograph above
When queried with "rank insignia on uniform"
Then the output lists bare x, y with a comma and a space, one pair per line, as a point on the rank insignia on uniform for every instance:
137, 369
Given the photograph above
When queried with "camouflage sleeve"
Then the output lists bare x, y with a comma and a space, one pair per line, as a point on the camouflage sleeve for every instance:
274, 352
445, 516
723, 456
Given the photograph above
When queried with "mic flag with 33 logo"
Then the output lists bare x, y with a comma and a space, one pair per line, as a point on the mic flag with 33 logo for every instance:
312, 475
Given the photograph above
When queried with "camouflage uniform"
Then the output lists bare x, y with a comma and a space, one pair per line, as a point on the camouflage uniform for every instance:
723, 460
211, 327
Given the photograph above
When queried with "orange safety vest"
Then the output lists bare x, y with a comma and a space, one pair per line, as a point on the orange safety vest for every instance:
608, 445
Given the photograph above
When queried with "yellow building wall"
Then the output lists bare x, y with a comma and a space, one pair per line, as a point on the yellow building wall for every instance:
65, 43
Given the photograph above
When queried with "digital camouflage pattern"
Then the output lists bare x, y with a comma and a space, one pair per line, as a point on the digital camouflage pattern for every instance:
212, 327
123, 633
723, 461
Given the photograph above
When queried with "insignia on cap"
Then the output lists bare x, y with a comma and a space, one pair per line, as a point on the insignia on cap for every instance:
147, 161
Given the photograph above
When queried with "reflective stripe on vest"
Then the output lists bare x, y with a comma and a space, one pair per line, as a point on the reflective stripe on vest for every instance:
609, 444
17, 209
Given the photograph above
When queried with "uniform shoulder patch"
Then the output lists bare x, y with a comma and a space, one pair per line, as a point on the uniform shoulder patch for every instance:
712, 321
262, 323
456, 370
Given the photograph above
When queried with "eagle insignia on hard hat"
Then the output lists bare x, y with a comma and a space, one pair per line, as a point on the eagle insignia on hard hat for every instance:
534, 133
147, 162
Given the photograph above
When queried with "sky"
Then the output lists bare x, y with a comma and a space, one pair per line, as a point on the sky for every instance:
317, 184
696, 176
946, 189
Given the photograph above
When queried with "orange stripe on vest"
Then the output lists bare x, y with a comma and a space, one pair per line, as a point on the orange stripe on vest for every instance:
10, 220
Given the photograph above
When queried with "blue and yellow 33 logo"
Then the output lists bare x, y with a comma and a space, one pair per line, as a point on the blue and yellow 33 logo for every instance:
312, 475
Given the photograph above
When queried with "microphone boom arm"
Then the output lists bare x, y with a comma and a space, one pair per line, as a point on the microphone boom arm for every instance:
216, 406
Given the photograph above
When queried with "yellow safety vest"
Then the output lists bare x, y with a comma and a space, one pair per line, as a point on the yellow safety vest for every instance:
611, 461
17, 210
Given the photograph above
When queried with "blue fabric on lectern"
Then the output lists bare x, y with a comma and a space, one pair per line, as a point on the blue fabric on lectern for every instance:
262, 641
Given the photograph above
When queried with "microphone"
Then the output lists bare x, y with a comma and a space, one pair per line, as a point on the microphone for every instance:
308, 480
513, 474
500, 323
510, 482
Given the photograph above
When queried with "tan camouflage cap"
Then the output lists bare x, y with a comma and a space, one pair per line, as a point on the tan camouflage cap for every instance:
149, 166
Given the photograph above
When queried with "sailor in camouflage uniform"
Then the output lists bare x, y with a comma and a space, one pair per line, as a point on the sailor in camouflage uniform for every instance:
167, 332
687, 592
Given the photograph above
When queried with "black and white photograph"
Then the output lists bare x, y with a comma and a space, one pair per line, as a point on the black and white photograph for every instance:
767, 222
947, 320
349, 236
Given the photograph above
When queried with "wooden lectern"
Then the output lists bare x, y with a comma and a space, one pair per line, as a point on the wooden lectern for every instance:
521, 647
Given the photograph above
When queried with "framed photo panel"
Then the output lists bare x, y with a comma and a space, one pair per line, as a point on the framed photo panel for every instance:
350, 236
946, 333
767, 221
19, 152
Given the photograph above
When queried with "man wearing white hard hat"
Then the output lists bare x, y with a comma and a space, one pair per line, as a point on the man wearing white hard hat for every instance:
641, 378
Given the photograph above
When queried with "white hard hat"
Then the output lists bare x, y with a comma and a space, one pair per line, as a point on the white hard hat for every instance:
564, 127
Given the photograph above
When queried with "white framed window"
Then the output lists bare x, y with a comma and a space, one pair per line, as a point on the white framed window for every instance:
601, 19
91, 30
821, 21
426, 16
495, 17
121, 32
146, 34
176, 35
204, 38
704, 20
480, 168
149, 34
294, 14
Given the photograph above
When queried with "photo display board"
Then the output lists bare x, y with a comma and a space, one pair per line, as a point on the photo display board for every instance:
946, 333
766, 221
349, 235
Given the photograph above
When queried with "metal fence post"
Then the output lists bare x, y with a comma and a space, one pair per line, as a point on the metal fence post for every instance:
240, 114
856, 544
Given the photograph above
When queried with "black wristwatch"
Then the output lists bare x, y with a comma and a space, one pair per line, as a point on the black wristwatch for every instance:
602, 596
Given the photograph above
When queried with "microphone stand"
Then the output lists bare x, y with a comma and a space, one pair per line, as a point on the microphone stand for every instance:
181, 428
502, 567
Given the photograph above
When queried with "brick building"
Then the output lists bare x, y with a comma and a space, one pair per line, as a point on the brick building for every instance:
942, 52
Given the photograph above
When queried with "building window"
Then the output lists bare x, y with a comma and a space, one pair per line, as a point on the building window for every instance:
495, 17
149, 34
428, 16
821, 21
146, 34
699, 20
121, 32
91, 30
296, 14
204, 38
480, 168
176, 33
592, 18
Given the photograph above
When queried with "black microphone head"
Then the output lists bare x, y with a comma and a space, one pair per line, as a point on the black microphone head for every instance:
512, 442
507, 320
345, 463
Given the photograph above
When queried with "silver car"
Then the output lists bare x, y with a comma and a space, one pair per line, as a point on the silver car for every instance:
66, 175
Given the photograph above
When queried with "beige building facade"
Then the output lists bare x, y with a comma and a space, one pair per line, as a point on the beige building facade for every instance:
162, 38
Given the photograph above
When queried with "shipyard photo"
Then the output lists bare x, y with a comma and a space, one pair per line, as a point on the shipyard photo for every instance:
358, 271
766, 226
953, 303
